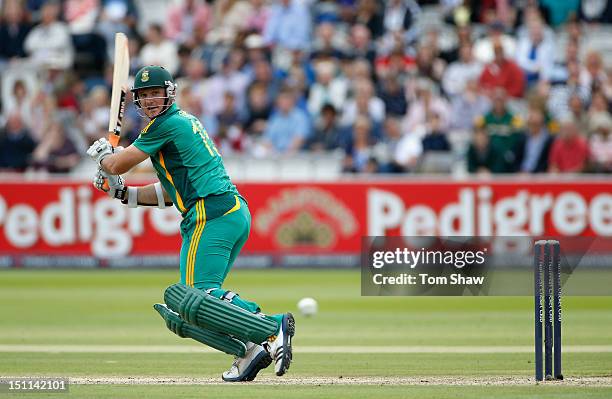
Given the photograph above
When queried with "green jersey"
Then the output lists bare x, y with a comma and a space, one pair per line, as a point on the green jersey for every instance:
186, 160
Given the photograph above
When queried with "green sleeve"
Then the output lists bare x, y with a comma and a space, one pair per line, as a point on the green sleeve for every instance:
153, 140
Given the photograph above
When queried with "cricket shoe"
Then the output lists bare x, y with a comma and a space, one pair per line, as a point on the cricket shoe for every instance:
246, 368
280, 346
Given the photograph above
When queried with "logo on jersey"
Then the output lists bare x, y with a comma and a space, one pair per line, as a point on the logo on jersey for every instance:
145, 76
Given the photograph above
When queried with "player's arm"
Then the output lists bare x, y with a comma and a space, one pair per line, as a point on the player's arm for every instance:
115, 162
150, 195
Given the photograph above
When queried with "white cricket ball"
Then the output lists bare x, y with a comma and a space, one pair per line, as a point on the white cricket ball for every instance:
308, 306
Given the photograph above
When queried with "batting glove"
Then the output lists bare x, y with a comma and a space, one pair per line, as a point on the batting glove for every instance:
116, 185
99, 150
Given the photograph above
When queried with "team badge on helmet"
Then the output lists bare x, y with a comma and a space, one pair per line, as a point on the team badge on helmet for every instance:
145, 76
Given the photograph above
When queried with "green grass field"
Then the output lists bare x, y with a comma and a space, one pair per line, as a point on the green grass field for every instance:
99, 328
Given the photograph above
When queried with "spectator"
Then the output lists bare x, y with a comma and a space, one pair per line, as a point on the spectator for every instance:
230, 78
535, 55
466, 107
159, 50
183, 17
326, 135
504, 73
386, 149
361, 44
409, 150
360, 154
401, 16
288, 26
229, 18
363, 103
258, 17
259, 108
93, 120
561, 69
459, 73
393, 96
327, 89
49, 44
503, 128
570, 152
600, 143
435, 137
263, 74
328, 42
55, 153
534, 155
370, 14
288, 127
577, 112
559, 99
482, 156
19, 101
13, 31
425, 102
593, 75
428, 64
16, 145
484, 49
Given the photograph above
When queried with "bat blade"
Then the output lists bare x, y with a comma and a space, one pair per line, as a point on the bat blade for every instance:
120, 77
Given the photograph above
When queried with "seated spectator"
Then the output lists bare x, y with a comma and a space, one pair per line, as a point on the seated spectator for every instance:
13, 31
55, 153
425, 102
258, 16
327, 89
229, 18
570, 152
435, 137
503, 128
535, 55
18, 101
229, 78
459, 73
93, 118
428, 64
159, 51
16, 145
560, 73
363, 103
360, 154
534, 155
409, 150
500, 120
468, 106
386, 149
593, 75
504, 73
401, 16
183, 17
482, 156
370, 14
288, 127
577, 112
288, 25
259, 109
600, 143
49, 44
326, 136
559, 98
393, 96
599, 105
328, 42
361, 44
484, 49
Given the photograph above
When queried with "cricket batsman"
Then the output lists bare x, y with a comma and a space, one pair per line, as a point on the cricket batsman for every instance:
215, 226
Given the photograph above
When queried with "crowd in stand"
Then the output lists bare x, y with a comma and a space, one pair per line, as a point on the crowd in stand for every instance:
507, 86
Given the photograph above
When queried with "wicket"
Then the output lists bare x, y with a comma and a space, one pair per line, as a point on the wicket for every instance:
547, 283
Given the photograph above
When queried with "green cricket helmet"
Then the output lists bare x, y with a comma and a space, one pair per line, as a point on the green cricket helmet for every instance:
154, 76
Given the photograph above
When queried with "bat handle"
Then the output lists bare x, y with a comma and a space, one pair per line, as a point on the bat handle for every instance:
114, 140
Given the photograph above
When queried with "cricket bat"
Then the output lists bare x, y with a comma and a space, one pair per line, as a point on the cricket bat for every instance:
121, 71
120, 76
